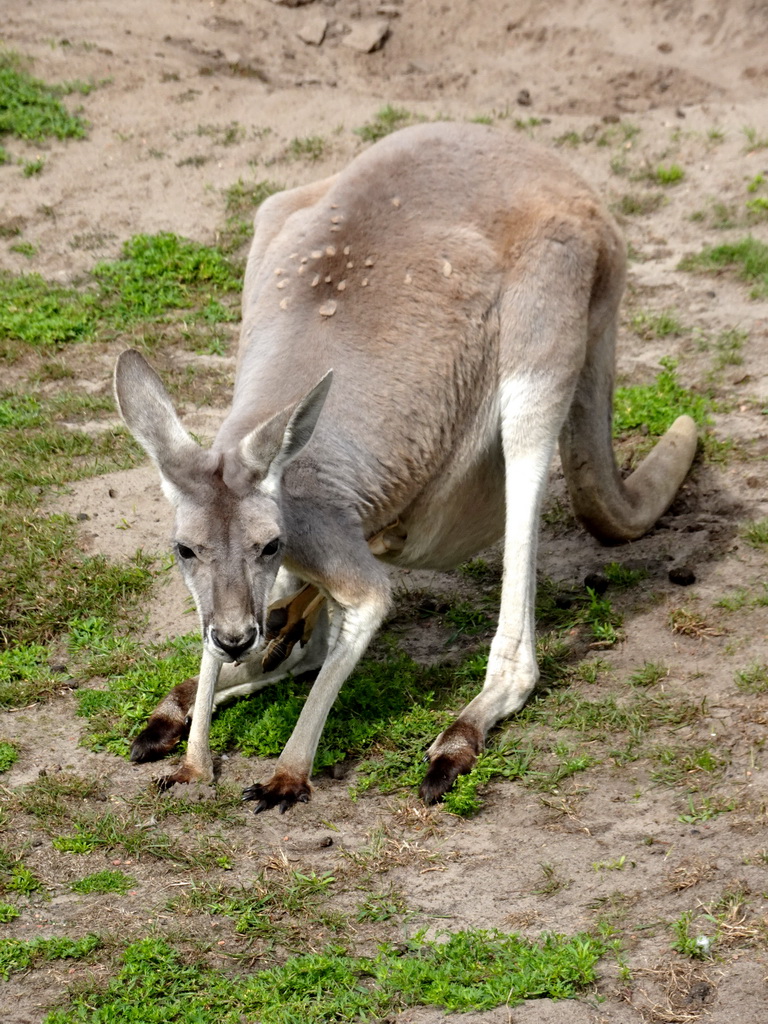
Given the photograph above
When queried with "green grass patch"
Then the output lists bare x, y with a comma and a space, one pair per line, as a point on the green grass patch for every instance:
9, 755
30, 109
8, 913
655, 406
471, 970
387, 120
156, 276
308, 147
161, 273
748, 258
241, 201
19, 955
259, 908
753, 679
104, 882
657, 325
639, 204
667, 174
756, 534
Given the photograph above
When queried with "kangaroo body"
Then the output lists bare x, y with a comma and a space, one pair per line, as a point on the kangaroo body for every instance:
463, 287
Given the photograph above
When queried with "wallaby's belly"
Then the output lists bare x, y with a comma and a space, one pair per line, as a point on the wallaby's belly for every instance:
459, 513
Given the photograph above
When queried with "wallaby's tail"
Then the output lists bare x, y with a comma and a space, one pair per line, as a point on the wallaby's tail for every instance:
613, 509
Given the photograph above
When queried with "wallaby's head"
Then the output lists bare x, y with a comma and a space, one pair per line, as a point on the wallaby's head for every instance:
228, 534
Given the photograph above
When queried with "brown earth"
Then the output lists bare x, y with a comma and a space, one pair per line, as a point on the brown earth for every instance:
691, 75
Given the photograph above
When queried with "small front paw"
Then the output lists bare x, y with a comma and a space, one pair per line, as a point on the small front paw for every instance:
282, 791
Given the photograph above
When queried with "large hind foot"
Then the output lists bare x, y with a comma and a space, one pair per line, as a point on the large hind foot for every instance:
167, 725
284, 790
452, 754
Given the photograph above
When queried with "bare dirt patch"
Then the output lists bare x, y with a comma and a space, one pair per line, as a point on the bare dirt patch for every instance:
189, 99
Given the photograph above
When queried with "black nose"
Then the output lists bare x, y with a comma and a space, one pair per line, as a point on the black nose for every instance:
234, 646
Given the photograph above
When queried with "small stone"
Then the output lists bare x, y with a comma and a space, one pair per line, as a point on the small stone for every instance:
330, 250
682, 575
303, 259
447, 269
367, 35
301, 270
316, 254
327, 278
369, 263
337, 219
327, 309
396, 202
283, 303
364, 282
346, 250
326, 841
524, 98
312, 32
281, 284
408, 279
82, 517
340, 287
315, 280
279, 271
350, 264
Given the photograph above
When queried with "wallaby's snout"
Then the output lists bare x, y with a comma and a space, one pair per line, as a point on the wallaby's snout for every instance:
234, 646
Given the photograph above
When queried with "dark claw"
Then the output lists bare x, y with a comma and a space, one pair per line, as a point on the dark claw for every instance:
282, 791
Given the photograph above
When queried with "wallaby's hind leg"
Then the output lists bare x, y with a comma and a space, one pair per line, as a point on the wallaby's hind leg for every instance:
532, 409
541, 350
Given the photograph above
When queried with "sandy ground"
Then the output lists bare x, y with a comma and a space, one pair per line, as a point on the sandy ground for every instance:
691, 75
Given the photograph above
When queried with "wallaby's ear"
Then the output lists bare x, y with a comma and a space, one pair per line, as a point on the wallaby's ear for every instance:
147, 410
268, 449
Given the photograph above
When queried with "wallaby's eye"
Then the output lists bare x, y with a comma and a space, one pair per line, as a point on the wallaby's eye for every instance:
185, 552
271, 548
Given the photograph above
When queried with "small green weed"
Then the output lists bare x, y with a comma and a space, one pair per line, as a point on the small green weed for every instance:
698, 947
667, 174
9, 755
8, 913
622, 577
104, 882
649, 675
25, 249
753, 679
638, 204
388, 119
381, 907
748, 258
32, 167
613, 865
754, 139
552, 882
677, 766
311, 147
241, 201
657, 325
708, 808
756, 534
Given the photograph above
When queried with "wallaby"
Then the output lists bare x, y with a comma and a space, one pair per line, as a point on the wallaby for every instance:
417, 332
